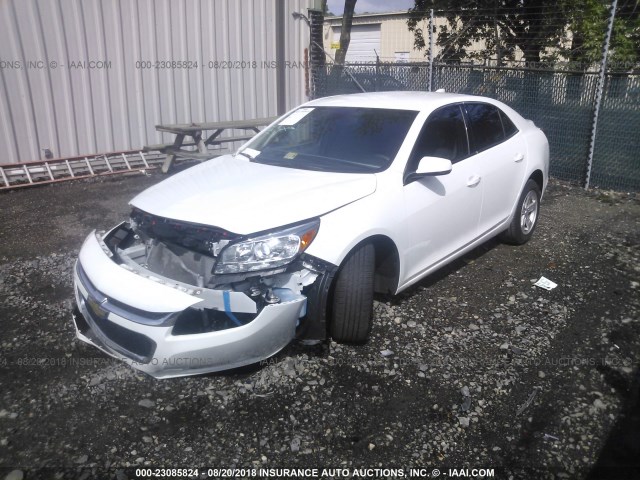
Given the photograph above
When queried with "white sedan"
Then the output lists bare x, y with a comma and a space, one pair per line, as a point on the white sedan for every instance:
223, 264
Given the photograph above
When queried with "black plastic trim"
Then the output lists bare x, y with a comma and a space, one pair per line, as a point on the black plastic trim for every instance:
313, 326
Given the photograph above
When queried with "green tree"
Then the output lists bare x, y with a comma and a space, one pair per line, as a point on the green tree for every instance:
494, 28
543, 30
588, 26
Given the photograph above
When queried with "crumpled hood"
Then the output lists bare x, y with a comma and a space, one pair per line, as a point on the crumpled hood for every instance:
244, 197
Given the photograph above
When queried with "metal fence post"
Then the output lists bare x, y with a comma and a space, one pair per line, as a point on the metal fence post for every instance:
431, 50
316, 54
600, 89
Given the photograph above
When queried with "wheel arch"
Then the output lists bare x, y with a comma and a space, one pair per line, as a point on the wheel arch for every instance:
320, 293
538, 177
386, 271
387, 262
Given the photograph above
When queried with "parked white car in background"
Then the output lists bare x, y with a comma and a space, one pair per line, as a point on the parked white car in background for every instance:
223, 264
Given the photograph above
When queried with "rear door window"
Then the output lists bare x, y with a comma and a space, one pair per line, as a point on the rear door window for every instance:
485, 125
509, 128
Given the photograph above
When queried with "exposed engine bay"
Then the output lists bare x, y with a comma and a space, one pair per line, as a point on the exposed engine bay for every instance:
184, 255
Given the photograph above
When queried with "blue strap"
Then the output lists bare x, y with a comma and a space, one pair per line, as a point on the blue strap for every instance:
227, 307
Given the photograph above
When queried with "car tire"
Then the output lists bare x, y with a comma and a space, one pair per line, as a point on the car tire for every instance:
525, 219
352, 300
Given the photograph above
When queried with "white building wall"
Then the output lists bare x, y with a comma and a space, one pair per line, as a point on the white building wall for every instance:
51, 97
395, 36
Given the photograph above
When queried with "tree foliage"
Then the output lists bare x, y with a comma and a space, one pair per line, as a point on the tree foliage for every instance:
587, 30
537, 30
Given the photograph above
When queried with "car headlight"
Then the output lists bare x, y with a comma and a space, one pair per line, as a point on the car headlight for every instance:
267, 251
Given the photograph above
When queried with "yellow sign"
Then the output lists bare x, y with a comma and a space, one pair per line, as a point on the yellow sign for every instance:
335, 45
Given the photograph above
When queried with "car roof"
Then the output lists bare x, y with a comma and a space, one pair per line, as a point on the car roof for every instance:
421, 101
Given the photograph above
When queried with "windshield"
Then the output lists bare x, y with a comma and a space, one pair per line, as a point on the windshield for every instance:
334, 139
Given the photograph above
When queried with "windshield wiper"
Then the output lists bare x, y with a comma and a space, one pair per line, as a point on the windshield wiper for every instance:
349, 162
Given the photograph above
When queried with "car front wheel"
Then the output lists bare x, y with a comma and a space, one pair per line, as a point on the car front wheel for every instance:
526, 217
352, 304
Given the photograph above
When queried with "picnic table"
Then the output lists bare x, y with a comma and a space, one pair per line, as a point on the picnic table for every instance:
195, 131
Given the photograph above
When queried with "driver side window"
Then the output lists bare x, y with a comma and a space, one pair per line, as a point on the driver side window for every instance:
443, 135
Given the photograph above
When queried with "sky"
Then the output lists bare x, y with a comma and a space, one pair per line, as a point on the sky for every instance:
337, 6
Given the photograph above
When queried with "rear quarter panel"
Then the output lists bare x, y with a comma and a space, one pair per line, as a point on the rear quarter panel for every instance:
537, 152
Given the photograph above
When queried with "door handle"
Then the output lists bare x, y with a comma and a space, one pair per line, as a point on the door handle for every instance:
518, 158
473, 181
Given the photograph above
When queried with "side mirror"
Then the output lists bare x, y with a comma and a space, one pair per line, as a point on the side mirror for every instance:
429, 166
434, 166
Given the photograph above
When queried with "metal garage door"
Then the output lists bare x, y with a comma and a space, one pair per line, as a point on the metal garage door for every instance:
365, 42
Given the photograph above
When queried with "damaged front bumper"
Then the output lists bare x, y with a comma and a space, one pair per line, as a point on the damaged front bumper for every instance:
168, 328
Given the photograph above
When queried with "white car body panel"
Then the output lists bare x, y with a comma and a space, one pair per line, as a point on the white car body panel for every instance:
442, 215
430, 221
182, 355
500, 164
270, 196
342, 229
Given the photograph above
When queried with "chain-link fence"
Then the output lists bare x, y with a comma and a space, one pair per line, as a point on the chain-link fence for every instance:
588, 108
561, 103
616, 161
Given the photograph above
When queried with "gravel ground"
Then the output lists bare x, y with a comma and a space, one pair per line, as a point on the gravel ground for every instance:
472, 368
